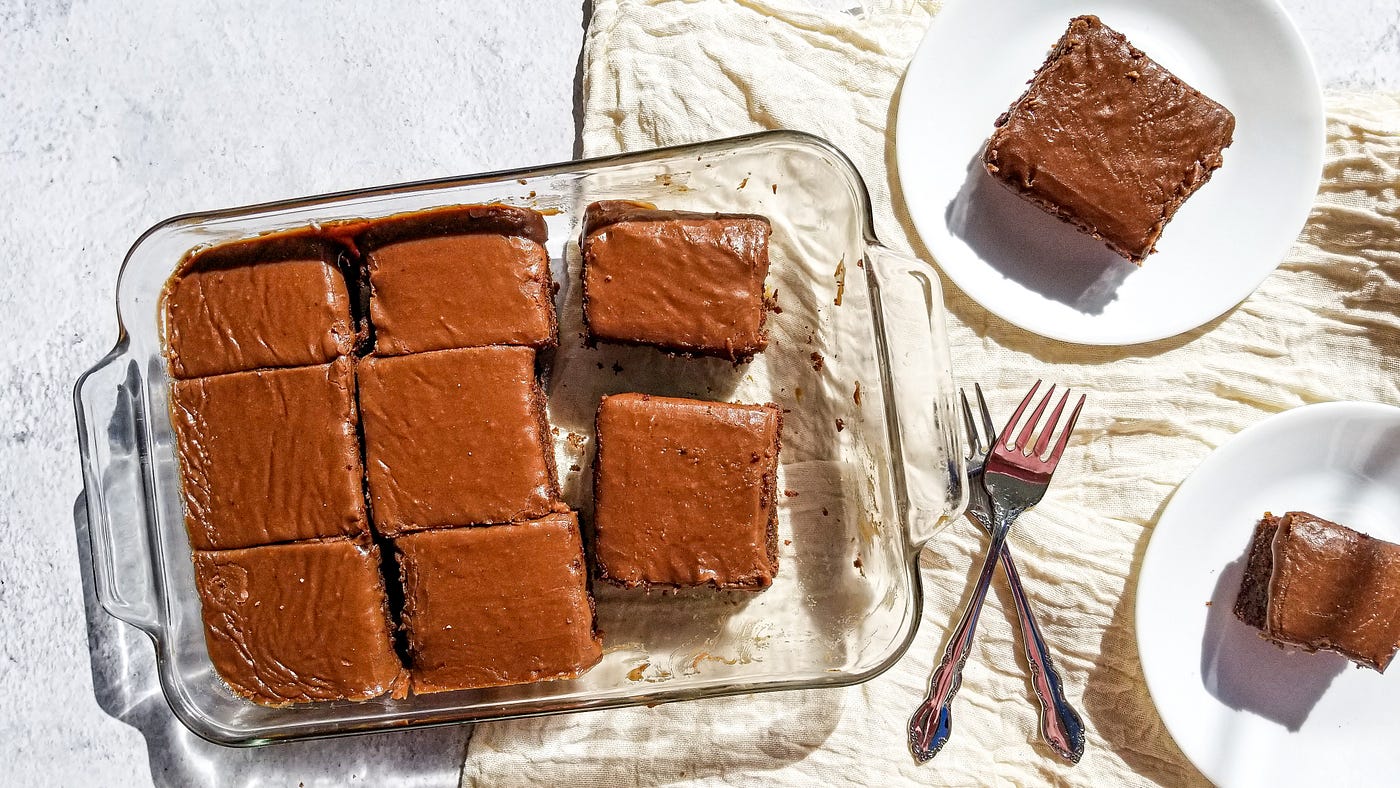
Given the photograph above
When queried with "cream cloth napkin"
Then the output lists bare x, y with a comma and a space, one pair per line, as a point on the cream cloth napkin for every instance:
1325, 326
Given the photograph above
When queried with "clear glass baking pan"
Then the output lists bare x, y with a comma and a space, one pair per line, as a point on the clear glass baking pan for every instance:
871, 459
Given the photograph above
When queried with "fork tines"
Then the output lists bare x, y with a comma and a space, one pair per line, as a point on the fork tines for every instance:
1046, 431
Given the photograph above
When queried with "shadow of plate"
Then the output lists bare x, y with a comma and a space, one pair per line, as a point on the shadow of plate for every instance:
1033, 248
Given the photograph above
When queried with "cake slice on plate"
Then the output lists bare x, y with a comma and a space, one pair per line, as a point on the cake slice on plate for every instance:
1313, 584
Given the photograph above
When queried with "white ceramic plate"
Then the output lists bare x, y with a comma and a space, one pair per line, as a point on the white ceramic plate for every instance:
1040, 273
1243, 710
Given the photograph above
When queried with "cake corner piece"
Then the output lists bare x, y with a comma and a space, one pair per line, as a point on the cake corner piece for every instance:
267, 635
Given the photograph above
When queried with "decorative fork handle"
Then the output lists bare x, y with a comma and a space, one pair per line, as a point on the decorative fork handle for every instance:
1060, 724
932, 723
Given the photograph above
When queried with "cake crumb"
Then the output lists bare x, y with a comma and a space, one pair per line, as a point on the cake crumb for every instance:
575, 468
825, 513
790, 493
775, 188
817, 362
635, 674
840, 424
857, 563
787, 541
856, 396
840, 281
743, 183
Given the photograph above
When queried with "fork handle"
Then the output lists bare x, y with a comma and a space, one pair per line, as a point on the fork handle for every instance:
932, 723
1060, 724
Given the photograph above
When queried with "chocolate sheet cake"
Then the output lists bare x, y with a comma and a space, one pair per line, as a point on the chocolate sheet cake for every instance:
1108, 140
684, 492
688, 283
497, 605
467, 277
269, 456
299, 622
456, 437
1313, 584
257, 304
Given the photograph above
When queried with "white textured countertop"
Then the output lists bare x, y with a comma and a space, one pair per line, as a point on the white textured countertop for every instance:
115, 116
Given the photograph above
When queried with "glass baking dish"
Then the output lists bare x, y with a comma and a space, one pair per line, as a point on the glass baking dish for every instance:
871, 459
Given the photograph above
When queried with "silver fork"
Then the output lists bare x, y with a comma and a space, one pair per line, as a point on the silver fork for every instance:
1060, 724
1015, 479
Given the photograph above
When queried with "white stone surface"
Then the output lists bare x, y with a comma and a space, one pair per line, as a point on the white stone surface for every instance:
114, 116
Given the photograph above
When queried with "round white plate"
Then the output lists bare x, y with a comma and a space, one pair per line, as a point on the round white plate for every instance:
1243, 710
1041, 274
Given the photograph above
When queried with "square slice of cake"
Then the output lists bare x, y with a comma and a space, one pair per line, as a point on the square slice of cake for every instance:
269, 456
257, 304
302, 622
463, 277
684, 492
1313, 584
498, 605
1108, 140
688, 283
456, 437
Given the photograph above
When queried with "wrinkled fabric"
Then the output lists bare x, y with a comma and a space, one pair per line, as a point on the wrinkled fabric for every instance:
1325, 326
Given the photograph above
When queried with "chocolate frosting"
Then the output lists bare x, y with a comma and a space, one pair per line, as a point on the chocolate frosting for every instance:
1334, 588
461, 291
497, 605
456, 437
684, 492
1108, 140
269, 456
298, 622
685, 282
255, 304
492, 218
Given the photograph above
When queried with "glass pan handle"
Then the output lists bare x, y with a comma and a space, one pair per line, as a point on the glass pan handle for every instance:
929, 428
112, 440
